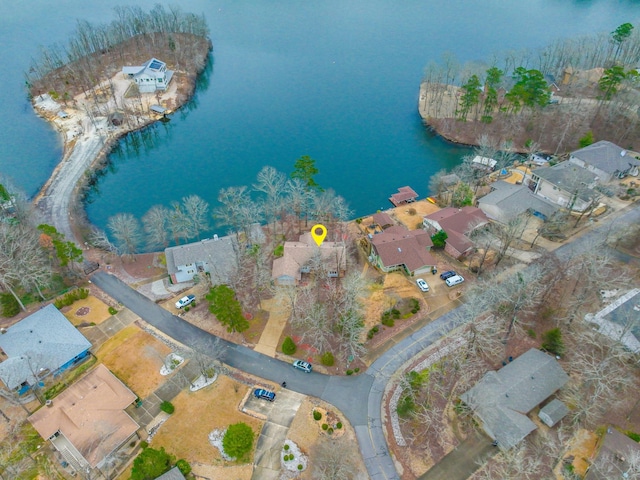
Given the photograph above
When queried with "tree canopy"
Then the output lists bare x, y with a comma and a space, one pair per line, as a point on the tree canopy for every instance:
224, 305
305, 169
151, 463
238, 440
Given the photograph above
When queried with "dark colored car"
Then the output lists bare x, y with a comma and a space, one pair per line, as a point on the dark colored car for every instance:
445, 275
264, 394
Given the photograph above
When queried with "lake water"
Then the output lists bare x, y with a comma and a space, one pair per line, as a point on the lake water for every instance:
337, 80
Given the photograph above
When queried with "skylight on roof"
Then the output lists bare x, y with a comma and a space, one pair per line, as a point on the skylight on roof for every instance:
155, 65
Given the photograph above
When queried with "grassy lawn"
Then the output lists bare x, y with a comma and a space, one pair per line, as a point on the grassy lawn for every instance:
186, 433
135, 357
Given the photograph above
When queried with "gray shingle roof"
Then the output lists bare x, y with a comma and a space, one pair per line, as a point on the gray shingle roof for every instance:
569, 177
173, 474
516, 199
45, 340
606, 156
502, 399
553, 412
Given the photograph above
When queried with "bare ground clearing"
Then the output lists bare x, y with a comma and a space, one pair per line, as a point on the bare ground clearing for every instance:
135, 357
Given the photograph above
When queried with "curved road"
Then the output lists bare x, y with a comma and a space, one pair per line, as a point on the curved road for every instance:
359, 397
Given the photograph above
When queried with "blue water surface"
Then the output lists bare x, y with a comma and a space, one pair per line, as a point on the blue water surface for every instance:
337, 80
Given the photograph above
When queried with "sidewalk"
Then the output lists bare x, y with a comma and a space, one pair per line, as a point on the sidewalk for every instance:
278, 315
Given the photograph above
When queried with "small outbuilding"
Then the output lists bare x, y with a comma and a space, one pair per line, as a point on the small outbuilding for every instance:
553, 412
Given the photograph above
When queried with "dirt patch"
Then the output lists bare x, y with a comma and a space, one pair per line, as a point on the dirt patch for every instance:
213, 407
135, 357
87, 310
579, 450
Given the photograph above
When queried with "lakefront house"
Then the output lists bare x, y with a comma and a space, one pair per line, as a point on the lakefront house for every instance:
151, 76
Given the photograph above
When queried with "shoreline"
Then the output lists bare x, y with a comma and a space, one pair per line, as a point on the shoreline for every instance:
87, 140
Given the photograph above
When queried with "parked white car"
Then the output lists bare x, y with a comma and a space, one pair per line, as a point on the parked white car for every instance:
186, 300
455, 280
422, 285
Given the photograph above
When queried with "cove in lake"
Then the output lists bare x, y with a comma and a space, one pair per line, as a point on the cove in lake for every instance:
334, 80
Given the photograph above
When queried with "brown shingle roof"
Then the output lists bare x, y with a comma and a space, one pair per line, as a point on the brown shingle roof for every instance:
299, 254
460, 220
399, 246
382, 219
90, 414
404, 195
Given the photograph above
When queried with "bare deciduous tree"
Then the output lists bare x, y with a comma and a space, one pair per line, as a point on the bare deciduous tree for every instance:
155, 226
196, 211
333, 460
126, 230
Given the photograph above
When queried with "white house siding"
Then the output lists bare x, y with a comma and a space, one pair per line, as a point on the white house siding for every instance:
559, 197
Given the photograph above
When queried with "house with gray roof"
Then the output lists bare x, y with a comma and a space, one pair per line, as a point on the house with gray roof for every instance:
606, 160
620, 320
565, 184
39, 345
507, 201
502, 399
151, 76
616, 457
214, 256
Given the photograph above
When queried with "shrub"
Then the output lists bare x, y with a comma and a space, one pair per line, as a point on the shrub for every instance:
339, 425
349, 372
327, 359
300, 467
144, 444
112, 311
83, 293
370, 334
552, 341
151, 463
317, 415
325, 426
286, 447
586, 140
375, 329
632, 435
288, 346
439, 239
186, 309
531, 332
279, 251
356, 370
396, 313
238, 440
184, 467
210, 372
406, 406
167, 407
358, 221
329, 430
9, 304
388, 321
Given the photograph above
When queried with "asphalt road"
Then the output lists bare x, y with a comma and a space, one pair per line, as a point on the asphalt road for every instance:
358, 397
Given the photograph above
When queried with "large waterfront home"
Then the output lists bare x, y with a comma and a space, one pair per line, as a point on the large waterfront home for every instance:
150, 76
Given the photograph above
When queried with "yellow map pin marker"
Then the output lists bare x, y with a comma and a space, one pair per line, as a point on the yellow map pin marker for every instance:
319, 237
